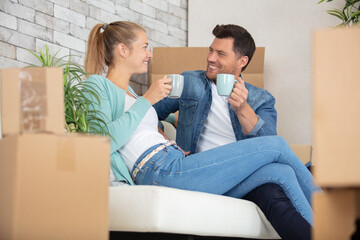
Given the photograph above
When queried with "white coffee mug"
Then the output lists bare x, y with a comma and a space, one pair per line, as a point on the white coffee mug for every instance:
225, 84
177, 85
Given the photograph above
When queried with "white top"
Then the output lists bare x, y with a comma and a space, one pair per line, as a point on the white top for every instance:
145, 136
218, 129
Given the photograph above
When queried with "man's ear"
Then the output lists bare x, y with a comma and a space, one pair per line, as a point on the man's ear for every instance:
243, 60
122, 50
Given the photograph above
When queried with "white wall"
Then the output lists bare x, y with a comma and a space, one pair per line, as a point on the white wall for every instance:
285, 28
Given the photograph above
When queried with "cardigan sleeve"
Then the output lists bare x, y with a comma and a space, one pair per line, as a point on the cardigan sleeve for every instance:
121, 125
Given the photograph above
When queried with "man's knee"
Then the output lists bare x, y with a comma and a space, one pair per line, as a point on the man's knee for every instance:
270, 197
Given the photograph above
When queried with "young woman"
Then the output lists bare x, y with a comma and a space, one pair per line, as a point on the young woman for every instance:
140, 153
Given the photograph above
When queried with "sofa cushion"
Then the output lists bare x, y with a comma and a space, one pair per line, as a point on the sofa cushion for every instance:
169, 210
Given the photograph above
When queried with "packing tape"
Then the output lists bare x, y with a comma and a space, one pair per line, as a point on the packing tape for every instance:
33, 102
66, 153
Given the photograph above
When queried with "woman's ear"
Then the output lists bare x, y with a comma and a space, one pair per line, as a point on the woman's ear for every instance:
122, 50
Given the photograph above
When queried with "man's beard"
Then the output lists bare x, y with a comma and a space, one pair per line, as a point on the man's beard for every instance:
211, 79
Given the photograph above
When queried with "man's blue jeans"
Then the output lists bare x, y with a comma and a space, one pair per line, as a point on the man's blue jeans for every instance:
233, 170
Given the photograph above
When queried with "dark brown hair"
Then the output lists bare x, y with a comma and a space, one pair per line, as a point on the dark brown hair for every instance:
103, 39
244, 44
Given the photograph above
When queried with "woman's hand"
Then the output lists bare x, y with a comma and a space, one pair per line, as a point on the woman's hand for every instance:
158, 90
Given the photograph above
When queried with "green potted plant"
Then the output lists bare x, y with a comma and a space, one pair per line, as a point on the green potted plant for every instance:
79, 115
349, 14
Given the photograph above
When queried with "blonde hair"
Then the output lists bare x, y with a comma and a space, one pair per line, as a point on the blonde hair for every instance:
101, 45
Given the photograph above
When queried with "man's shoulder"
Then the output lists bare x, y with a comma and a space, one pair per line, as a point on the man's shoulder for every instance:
194, 74
256, 93
195, 79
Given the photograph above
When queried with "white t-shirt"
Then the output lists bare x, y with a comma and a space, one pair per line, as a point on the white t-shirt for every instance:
145, 136
218, 129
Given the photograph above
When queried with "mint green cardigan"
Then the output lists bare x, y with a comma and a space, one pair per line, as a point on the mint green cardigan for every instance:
121, 124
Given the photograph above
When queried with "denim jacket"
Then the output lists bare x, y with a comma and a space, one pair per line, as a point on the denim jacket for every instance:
194, 105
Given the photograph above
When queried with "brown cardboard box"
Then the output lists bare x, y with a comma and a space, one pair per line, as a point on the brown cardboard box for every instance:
336, 84
169, 60
32, 99
302, 151
54, 186
335, 214
358, 204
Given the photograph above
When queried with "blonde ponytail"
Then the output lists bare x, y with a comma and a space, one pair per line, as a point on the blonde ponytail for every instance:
101, 44
94, 58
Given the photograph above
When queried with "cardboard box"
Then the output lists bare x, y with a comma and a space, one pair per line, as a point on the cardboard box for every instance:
169, 60
358, 204
336, 84
302, 151
54, 186
335, 214
32, 100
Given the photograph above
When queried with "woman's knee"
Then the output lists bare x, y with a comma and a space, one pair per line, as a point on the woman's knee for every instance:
280, 141
279, 172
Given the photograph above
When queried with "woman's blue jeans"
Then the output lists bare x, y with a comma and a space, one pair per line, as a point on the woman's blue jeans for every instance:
233, 170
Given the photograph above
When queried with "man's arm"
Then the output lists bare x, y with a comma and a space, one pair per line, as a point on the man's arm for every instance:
166, 106
267, 119
254, 123
247, 118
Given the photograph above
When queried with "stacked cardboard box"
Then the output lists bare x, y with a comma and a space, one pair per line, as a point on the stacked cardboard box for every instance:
32, 100
170, 60
53, 185
336, 132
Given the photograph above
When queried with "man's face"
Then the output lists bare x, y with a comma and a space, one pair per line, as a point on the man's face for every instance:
222, 58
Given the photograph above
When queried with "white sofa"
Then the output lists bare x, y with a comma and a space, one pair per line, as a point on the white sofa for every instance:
168, 210
154, 209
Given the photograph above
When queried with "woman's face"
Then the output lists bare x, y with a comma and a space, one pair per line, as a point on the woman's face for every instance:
140, 54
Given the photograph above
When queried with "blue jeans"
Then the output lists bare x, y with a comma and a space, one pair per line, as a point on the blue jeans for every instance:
233, 170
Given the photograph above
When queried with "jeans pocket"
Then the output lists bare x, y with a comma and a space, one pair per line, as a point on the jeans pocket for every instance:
159, 158
188, 108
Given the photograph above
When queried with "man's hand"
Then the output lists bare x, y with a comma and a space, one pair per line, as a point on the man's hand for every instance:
166, 137
239, 95
185, 153
238, 101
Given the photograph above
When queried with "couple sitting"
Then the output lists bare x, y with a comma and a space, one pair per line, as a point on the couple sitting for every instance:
226, 146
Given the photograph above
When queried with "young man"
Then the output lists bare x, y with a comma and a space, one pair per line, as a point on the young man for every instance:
207, 120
